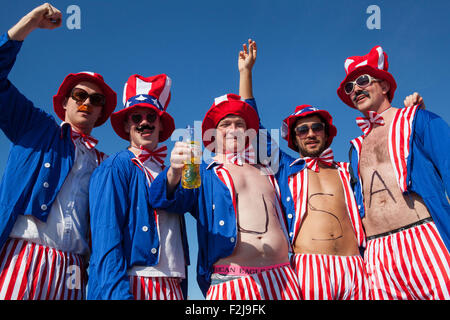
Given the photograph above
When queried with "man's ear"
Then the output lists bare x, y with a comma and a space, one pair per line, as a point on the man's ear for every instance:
64, 104
385, 86
126, 126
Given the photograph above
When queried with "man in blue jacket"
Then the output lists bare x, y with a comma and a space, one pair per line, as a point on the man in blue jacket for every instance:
44, 216
401, 169
243, 243
137, 252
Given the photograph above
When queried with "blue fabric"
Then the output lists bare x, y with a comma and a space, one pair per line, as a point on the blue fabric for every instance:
428, 169
119, 205
41, 150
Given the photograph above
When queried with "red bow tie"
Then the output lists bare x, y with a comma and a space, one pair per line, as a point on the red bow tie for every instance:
366, 124
89, 141
246, 156
326, 158
157, 155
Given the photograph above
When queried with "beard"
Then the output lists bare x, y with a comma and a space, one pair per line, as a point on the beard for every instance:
312, 154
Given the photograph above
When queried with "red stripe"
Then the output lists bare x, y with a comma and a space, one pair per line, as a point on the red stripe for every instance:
61, 276
33, 294
6, 266
429, 232
16, 267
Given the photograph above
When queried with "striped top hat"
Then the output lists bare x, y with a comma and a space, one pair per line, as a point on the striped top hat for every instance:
149, 92
375, 64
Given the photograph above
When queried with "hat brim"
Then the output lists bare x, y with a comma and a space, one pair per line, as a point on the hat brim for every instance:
118, 122
237, 108
290, 122
71, 81
377, 73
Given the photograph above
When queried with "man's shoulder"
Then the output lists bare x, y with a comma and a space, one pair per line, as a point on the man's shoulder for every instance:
118, 160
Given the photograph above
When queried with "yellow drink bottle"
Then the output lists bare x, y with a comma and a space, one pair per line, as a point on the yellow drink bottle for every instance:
190, 178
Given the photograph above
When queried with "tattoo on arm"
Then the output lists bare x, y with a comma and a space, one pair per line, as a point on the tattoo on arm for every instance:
313, 208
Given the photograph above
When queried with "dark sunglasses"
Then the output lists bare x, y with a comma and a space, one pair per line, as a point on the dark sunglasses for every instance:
362, 81
303, 130
96, 99
136, 118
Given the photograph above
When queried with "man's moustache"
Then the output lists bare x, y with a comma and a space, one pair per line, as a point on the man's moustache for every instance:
143, 127
357, 94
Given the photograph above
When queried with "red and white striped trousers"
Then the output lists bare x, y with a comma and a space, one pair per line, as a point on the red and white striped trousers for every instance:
330, 277
412, 264
29, 271
274, 284
156, 288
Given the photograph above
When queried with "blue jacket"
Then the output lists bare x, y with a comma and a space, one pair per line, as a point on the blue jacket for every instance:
427, 166
41, 151
123, 227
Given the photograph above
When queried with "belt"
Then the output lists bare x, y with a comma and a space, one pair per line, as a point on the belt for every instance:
415, 224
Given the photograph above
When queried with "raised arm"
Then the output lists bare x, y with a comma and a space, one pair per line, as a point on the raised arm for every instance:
43, 17
17, 114
246, 60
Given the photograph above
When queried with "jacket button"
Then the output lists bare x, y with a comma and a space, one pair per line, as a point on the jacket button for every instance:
45, 185
153, 250
291, 234
44, 207
47, 165
232, 239
214, 206
288, 199
290, 215
221, 222
145, 228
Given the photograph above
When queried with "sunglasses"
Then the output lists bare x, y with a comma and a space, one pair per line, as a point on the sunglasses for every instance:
96, 99
362, 81
303, 130
136, 118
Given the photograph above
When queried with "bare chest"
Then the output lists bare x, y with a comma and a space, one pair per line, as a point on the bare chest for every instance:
375, 149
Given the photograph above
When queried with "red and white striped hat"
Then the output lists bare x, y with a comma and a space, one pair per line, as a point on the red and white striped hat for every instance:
151, 92
375, 63
71, 80
226, 105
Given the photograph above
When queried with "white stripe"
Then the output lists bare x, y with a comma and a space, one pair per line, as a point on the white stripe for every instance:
142, 87
347, 63
380, 58
166, 92
361, 64
124, 97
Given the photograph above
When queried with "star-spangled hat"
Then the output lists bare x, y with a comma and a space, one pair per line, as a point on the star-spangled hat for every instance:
71, 80
375, 64
302, 111
150, 92
228, 104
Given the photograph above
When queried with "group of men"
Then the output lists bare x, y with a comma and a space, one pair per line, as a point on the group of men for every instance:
72, 218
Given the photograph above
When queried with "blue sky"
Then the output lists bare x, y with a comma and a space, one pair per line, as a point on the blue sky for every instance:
302, 46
